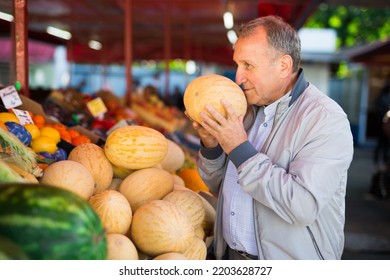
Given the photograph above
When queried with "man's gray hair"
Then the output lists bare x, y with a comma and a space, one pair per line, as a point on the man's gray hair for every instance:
281, 36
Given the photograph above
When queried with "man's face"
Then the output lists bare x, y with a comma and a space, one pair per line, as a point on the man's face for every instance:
258, 69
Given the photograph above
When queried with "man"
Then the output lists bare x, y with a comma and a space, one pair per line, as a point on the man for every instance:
281, 171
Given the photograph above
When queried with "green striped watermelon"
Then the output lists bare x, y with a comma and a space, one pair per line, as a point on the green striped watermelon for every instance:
49, 223
10, 251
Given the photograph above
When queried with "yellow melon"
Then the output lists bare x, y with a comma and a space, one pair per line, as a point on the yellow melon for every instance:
174, 159
190, 203
135, 147
145, 185
177, 187
121, 172
113, 210
197, 250
178, 180
199, 232
160, 227
70, 175
92, 157
120, 247
170, 256
209, 90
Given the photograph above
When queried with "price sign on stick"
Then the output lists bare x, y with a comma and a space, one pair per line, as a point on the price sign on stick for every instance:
97, 107
10, 97
23, 116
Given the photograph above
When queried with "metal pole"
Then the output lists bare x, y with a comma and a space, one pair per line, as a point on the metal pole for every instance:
128, 51
167, 46
21, 45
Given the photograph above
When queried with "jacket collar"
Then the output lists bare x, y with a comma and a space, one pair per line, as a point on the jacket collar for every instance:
299, 87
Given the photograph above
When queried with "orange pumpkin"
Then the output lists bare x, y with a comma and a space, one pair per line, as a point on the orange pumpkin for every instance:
209, 90
192, 180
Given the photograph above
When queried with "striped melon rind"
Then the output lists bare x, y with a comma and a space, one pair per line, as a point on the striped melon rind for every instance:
50, 223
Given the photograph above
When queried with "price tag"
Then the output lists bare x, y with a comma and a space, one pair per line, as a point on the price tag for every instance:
96, 107
23, 116
10, 97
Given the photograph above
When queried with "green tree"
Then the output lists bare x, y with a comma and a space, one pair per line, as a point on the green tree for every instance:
354, 25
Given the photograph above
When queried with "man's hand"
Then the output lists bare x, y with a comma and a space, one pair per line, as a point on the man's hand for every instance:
229, 131
208, 140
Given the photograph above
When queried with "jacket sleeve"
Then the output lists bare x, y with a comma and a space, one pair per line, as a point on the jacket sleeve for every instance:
309, 168
211, 167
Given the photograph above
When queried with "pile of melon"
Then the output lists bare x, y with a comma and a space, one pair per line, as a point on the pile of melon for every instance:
145, 207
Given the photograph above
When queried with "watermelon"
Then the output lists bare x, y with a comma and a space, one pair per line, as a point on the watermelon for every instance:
10, 251
49, 223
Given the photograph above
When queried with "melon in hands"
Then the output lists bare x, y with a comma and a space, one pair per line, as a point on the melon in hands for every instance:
210, 90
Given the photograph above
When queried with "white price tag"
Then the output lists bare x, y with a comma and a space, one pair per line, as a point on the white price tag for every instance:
10, 97
23, 116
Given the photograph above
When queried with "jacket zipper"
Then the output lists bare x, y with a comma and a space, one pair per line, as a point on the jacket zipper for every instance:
315, 243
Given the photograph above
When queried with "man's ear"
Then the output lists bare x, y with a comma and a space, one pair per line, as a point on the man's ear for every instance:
286, 65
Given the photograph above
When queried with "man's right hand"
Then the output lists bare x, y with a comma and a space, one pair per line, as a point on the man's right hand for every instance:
208, 140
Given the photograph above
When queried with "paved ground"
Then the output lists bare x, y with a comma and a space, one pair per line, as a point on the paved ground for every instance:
367, 228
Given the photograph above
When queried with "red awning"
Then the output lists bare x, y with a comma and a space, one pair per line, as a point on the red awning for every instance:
38, 52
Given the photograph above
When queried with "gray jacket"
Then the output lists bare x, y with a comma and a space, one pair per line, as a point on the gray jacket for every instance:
297, 181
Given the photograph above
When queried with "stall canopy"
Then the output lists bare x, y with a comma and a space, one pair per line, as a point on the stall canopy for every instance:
191, 29
377, 53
